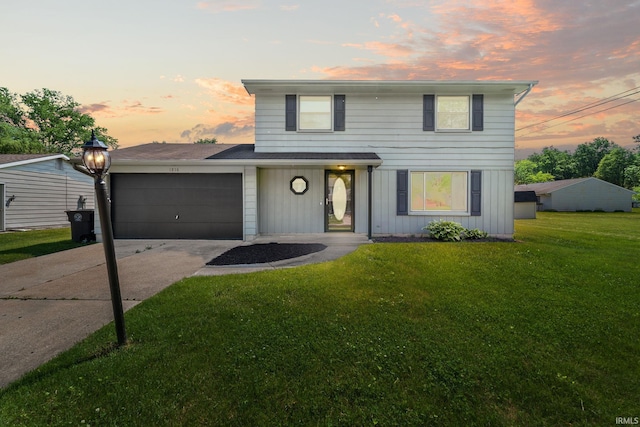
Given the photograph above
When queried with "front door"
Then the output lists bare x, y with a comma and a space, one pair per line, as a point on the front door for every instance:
339, 200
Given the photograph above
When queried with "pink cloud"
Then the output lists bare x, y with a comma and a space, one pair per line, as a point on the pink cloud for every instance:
580, 52
226, 91
126, 107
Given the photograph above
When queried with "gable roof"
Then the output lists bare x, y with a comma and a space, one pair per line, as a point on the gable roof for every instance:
11, 160
551, 186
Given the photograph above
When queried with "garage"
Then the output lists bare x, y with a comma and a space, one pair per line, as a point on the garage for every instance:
177, 206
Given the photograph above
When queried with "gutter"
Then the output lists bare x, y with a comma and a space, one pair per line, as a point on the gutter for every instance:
522, 95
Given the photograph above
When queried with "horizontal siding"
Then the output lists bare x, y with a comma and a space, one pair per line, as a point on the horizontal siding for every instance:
43, 194
391, 126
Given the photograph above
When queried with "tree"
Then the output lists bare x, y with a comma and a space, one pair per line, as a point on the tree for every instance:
206, 141
526, 172
555, 162
587, 156
632, 175
10, 111
15, 137
613, 165
15, 140
59, 124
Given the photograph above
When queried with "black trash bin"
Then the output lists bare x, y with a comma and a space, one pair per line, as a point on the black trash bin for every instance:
81, 225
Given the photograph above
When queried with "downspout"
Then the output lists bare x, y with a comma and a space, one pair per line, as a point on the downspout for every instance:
523, 94
370, 197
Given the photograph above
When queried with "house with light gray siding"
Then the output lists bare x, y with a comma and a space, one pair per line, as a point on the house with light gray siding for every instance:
580, 194
370, 157
37, 189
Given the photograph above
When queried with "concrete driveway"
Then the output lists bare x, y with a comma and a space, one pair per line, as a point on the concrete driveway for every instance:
49, 303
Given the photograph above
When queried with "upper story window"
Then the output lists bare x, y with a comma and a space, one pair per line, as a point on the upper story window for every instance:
453, 113
315, 113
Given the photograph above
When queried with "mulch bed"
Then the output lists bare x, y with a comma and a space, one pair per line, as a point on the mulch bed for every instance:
265, 253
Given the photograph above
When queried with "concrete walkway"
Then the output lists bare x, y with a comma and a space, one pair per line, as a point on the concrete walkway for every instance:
49, 303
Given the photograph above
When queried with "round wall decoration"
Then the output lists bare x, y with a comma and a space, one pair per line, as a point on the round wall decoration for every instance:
299, 185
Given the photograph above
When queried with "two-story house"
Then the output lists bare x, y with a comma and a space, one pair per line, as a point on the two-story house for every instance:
371, 157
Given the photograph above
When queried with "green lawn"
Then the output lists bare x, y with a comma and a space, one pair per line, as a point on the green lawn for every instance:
15, 246
542, 331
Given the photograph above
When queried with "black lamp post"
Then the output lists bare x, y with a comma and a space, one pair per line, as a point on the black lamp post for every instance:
97, 160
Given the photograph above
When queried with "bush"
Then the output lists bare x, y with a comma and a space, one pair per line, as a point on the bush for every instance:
475, 234
450, 231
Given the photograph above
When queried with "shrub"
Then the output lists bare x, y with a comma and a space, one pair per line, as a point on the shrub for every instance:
475, 234
450, 231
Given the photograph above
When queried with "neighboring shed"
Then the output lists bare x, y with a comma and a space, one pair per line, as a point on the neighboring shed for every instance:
580, 194
37, 189
525, 205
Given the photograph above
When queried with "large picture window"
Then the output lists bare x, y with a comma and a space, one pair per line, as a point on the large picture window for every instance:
439, 191
315, 112
452, 113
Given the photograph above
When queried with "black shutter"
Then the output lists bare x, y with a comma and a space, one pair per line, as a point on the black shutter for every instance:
477, 109
476, 190
429, 112
339, 112
290, 112
402, 205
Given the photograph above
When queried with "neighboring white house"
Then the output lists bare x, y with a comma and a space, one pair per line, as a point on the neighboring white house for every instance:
37, 189
580, 194
375, 157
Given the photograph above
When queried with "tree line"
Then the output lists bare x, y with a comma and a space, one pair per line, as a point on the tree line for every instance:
45, 121
601, 158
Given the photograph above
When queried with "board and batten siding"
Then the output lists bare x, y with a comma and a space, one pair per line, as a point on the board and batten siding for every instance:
43, 192
250, 202
496, 207
282, 211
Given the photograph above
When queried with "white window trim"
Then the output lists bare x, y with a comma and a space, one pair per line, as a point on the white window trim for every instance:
332, 113
469, 113
442, 212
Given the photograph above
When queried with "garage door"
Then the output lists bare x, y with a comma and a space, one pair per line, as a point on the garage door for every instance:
177, 206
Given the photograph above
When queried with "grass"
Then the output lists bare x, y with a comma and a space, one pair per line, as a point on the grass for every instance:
15, 246
543, 331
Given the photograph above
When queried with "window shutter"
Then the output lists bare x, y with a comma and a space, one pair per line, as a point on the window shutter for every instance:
339, 112
476, 190
429, 112
402, 205
477, 109
290, 112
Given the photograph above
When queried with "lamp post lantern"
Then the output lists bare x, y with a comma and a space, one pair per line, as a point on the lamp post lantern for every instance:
96, 160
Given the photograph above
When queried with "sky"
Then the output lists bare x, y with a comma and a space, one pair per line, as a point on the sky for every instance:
171, 70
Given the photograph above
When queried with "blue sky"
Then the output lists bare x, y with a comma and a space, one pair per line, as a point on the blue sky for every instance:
170, 70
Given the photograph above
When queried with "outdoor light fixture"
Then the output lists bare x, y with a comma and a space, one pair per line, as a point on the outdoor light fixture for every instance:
95, 156
96, 160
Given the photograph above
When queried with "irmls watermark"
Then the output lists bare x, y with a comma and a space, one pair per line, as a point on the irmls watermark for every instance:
627, 420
